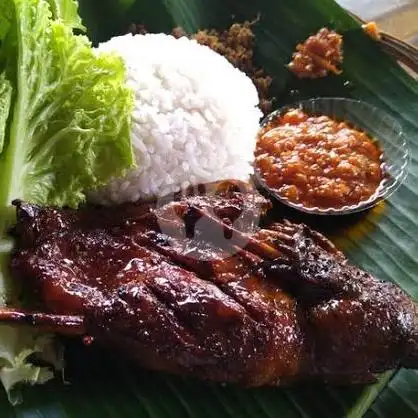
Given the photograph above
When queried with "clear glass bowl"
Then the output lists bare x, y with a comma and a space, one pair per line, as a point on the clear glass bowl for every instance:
378, 124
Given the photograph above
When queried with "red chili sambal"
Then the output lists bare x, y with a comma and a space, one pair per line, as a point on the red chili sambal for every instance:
317, 161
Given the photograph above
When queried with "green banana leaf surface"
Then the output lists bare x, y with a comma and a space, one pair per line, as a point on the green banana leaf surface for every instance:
383, 241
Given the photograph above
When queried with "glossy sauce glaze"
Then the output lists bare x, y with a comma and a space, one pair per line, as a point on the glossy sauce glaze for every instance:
285, 305
317, 161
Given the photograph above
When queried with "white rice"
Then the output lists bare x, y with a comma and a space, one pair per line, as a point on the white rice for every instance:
195, 118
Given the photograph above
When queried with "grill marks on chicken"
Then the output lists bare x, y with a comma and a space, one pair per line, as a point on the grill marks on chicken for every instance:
164, 285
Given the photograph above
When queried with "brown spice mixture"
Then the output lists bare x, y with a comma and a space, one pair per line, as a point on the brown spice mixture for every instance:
236, 45
319, 55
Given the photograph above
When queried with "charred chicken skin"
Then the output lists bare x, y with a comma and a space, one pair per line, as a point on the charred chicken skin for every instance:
193, 287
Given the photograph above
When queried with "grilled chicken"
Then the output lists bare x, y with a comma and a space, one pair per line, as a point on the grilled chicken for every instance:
192, 286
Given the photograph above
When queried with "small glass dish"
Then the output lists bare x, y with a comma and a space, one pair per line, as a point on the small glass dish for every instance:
362, 116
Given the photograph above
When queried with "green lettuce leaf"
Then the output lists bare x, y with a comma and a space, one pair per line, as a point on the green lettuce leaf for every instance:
5, 103
18, 345
67, 11
15, 365
70, 122
64, 128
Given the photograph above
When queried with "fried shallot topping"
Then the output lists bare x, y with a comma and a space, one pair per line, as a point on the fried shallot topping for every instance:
318, 56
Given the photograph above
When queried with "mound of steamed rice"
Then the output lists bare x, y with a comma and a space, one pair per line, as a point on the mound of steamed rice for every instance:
195, 118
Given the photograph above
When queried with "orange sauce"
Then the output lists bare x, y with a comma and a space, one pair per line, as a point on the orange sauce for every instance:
317, 161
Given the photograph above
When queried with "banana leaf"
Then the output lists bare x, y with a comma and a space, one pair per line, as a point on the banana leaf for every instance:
384, 241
